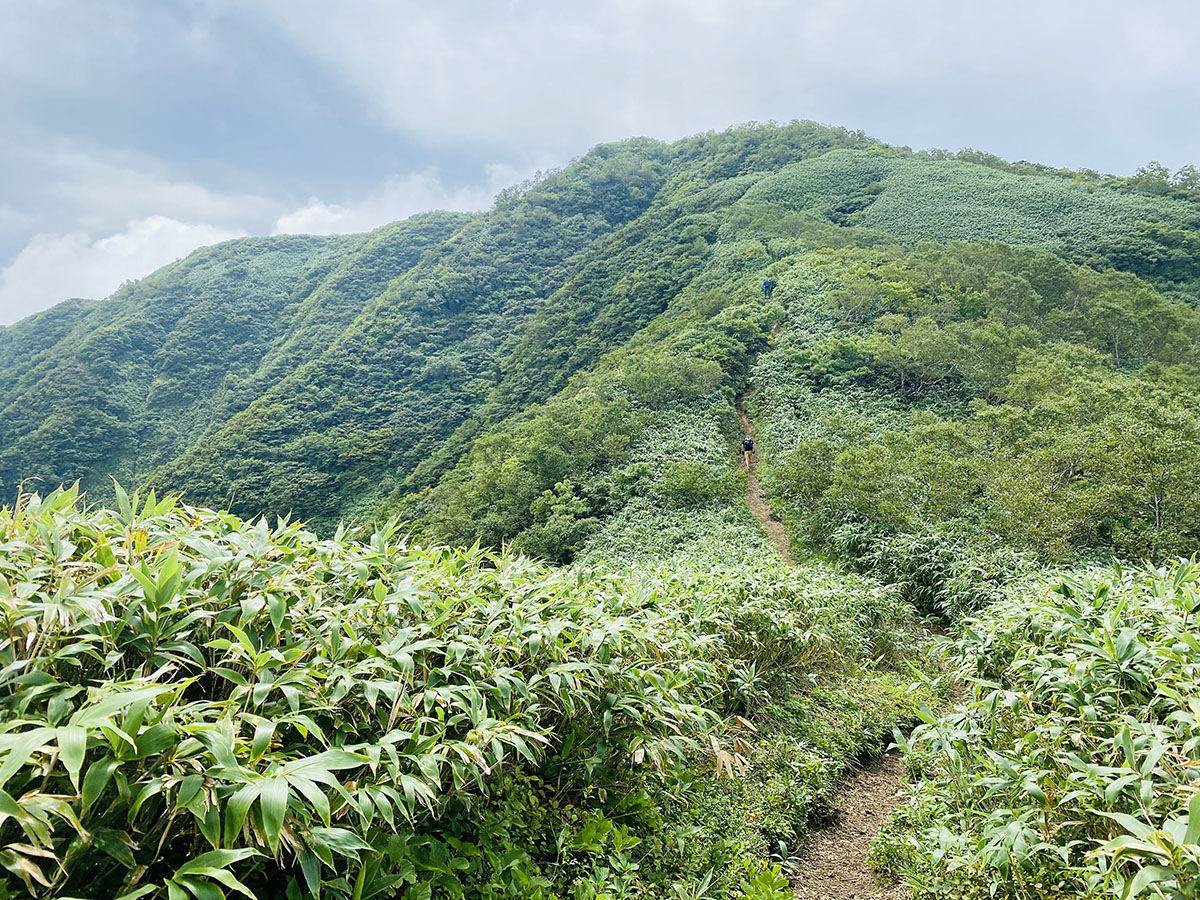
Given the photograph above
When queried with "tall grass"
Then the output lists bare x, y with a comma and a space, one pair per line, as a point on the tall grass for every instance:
186, 695
192, 705
1072, 770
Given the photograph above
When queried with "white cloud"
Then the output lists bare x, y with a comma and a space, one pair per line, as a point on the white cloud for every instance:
99, 189
1024, 78
396, 198
53, 267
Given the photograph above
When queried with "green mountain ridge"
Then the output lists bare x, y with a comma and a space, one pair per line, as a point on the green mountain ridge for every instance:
339, 378
975, 389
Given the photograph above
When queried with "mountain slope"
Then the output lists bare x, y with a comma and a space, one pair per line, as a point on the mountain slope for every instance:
341, 377
132, 381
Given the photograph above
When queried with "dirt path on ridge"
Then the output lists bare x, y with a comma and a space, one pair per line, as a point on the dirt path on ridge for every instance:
833, 865
758, 503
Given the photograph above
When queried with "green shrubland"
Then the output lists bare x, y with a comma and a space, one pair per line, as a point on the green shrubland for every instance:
195, 705
985, 393
1068, 770
339, 378
974, 386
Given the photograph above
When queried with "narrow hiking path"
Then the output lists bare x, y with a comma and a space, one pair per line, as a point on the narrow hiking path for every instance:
833, 862
758, 503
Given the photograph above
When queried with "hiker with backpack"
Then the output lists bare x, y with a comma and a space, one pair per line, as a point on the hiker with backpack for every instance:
748, 449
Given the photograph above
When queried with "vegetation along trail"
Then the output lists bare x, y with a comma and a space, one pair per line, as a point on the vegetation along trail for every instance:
833, 864
758, 503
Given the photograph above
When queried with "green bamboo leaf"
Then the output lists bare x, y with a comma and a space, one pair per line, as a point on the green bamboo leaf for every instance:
1192, 835
326, 761
310, 866
96, 780
145, 578
1134, 826
339, 840
189, 788
214, 859
273, 801
72, 748
201, 890
20, 747
314, 795
124, 506
263, 732
237, 808
9, 807
149, 789
114, 701
277, 606
1145, 877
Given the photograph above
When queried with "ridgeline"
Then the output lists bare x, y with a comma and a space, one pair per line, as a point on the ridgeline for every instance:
977, 396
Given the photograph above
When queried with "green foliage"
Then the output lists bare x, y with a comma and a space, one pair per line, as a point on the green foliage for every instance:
688, 483
939, 572
1068, 769
916, 199
197, 705
338, 378
130, 383
1000, 392
201, 704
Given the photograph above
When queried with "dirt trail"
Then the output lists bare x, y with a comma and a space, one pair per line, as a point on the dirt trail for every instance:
758, 503
833, 864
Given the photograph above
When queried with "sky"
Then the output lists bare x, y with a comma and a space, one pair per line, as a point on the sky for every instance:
134, 131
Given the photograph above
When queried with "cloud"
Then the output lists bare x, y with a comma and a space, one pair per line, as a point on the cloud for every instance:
397, 197
53, 267
61, 185
1024, 79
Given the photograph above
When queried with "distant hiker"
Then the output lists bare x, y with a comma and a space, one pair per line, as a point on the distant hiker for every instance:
768, 286
747, 449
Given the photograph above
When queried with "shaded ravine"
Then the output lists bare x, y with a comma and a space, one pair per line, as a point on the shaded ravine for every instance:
833, 863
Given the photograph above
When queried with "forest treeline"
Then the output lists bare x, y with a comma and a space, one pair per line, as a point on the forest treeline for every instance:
347, 378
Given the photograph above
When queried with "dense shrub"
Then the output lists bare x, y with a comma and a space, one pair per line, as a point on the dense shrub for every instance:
193, 704
917, 199
1070, 768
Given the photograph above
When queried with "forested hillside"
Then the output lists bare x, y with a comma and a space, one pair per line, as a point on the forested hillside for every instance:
329, 377
975, 388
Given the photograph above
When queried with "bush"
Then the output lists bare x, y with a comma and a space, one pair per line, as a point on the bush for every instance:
194, 704
193, 701
691, 482
939, 572
1069, 770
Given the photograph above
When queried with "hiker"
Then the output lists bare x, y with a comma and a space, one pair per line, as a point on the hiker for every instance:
768, 286
748, 449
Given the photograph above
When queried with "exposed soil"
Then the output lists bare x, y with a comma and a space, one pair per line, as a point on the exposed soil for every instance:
758, 503
833, 864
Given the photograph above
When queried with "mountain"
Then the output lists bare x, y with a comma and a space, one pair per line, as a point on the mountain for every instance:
974, 388
342, 378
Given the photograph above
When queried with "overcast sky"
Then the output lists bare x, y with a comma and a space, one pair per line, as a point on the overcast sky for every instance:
133, 131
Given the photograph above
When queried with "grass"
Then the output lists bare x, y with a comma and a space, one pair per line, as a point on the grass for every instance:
1070, 767
196, 706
